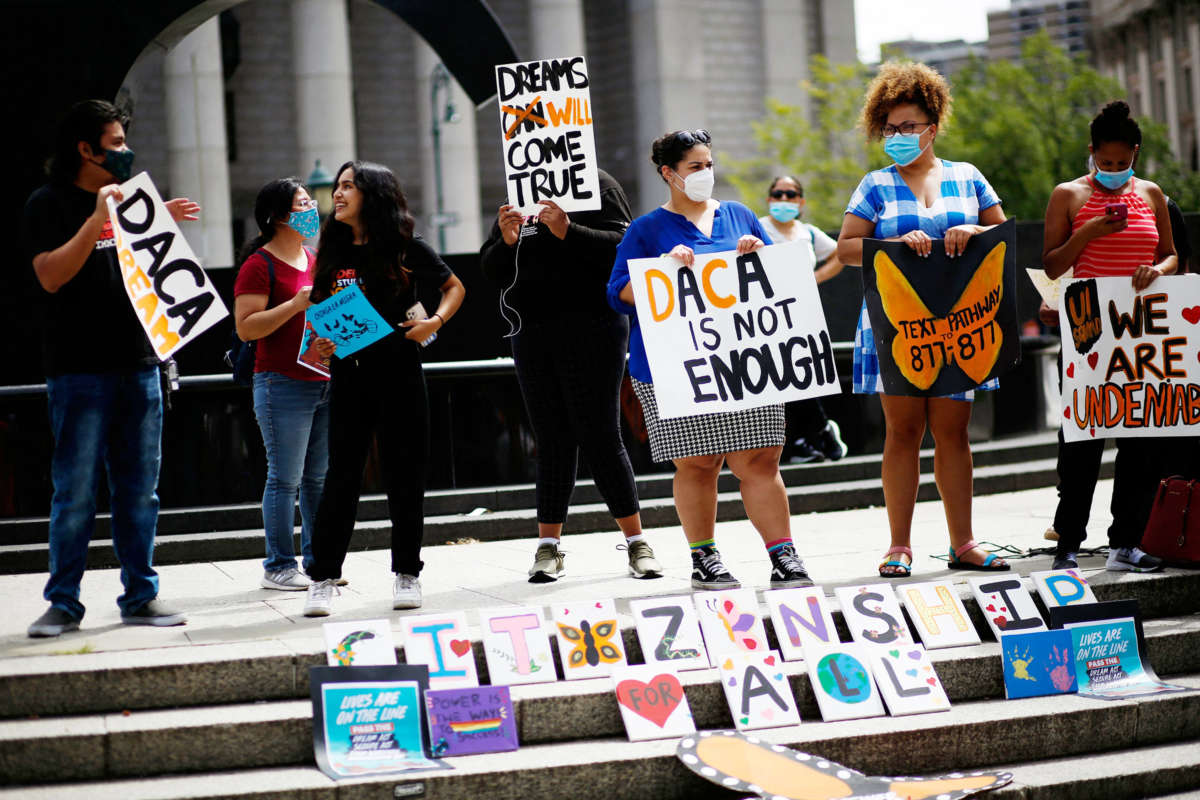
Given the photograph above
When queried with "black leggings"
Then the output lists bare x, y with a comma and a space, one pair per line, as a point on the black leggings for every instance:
570, 373
385, 397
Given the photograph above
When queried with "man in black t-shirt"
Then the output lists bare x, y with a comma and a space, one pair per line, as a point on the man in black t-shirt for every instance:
102, 376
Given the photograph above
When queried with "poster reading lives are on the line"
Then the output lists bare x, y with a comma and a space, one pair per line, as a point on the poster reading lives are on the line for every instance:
1129, 361
943, 325
546, 134
732, 331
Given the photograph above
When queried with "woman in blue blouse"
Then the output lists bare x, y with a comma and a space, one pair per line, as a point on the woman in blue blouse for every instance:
917, 200
750, 441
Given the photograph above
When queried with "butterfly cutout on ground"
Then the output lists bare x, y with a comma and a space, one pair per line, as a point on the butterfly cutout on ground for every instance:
745, 763
592, 644
968, 336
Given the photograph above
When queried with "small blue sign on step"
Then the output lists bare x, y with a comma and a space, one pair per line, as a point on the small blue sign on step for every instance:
1037, 663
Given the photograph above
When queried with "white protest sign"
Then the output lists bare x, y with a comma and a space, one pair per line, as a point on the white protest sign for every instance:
1130, 358
171, 295
546, 134
733, 332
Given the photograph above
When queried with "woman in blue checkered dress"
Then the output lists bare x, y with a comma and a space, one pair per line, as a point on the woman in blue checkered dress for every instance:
917, 200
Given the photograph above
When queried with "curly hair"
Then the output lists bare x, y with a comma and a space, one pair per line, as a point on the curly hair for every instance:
1114, 124
904, 82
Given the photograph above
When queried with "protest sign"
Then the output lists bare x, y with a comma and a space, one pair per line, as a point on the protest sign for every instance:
1130, 358
669, 632
872, 614
589, 639
757, 691
730, 623
652, 702
1037, 663
1006, 605
546, 134
937, 614
800, 616
308, 355
732, 331
907, 680
442, 643
468, 721
943, 325
516, 645
362, 643
840, 676
1062, 587
170, 293
349, 319
367, 720
1108, 662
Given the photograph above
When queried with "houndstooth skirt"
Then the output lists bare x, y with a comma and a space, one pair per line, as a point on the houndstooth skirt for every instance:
708, 434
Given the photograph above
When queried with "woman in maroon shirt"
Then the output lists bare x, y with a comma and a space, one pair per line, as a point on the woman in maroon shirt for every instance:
291, 400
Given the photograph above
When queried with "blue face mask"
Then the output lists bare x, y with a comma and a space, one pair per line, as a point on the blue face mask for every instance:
784, 212
305, 223
904, 149
119, 163
1114, 180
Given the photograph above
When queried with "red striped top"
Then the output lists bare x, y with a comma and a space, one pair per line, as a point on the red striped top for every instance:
1120, 253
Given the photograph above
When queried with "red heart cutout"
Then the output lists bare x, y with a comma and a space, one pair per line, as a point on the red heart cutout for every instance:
991, 607
1071, 370
1001, 622
599, 605
460, 647
1093, 433
1093, 358
654, 700
1002, 608
770, 660
728, 606
931, 681
1192, 314
1067, 413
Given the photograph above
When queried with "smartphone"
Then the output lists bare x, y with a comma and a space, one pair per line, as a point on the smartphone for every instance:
417, 311
1117, 210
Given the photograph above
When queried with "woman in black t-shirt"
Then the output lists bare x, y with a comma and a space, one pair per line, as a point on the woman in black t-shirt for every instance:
368, 241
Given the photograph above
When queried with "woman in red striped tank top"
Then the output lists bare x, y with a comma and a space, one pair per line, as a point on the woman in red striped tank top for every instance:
1108, 224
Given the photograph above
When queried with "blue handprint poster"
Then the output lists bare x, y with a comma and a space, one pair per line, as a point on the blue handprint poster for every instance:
1037, 663
350, 320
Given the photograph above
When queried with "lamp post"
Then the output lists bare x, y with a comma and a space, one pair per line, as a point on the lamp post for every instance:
320, 183
443, 111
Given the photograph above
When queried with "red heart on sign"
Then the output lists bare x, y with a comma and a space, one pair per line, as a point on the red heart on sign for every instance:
770, 660
931, 681
728, 606
654, 701
1092, 359
1192, 314
1093, 433
991, 607
1071, 370
1000, 621
460, 647
1067, 413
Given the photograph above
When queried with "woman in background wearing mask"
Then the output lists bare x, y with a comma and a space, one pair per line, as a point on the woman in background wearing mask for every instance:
916, 200
1109, 224
819, 436
691, 222
291, 401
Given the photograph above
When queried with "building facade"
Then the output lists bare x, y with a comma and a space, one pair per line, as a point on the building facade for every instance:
1066, 21
269, 87
946, 57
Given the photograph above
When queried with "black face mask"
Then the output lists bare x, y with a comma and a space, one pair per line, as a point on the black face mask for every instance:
119, 163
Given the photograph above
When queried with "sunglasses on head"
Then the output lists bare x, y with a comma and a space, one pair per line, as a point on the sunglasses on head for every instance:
693, 138
790, 194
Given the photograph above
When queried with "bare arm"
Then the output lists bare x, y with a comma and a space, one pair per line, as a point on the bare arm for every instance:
1168, 262
850, 240
1060, 246
829, 269
253, 320
453, 293
55, 268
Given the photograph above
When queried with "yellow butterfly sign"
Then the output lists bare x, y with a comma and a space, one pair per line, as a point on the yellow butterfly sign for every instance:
932, 337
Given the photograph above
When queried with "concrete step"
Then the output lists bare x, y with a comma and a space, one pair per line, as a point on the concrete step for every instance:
970, 735
519, 523
451, 502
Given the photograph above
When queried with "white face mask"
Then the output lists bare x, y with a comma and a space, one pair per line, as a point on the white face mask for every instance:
698, 186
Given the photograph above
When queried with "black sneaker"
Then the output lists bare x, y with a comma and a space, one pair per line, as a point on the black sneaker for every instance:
804, 453
787, 570
708, 572
54, 622
154, 613
829, 442
1065, 561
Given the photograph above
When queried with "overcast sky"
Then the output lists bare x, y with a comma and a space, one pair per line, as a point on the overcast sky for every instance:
879, 21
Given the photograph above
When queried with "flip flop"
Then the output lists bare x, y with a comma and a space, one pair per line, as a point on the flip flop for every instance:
989, 564
907, 568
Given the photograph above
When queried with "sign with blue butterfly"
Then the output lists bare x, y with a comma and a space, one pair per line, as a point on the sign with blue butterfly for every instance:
943, 324
350, 320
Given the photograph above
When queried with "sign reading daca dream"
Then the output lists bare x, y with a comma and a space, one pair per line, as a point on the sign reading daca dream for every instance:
943, 325
733, 332
171, 294
1130, 359
546, 131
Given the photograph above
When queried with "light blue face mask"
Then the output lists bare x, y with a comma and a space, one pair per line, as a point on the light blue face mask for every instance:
904, 148
784, 212
1114, 180
305, 223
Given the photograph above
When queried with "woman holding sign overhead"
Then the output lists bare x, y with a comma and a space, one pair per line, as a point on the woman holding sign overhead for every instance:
692, 222
379, 391
917, 200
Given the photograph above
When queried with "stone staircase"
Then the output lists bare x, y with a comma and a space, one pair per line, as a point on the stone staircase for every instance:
233, 720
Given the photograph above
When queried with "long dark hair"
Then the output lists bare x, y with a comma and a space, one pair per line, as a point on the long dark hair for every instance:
388, 226
274, 204
84, 122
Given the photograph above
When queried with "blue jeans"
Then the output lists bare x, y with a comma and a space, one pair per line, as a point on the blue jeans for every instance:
115, 421
294, 418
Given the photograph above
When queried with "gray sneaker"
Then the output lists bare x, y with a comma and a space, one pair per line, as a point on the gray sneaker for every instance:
642, 563
53, 623
547, 564
285, 580
320, 598
406, 591
1131, 559
154, 613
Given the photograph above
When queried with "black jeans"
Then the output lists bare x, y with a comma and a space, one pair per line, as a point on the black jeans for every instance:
570, 372
383, 397
805, 418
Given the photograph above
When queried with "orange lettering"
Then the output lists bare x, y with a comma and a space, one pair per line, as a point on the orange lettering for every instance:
160, 331
146, 306
659, 316
706, 280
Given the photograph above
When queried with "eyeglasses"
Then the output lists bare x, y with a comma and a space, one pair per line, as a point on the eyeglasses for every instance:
906, 128
693, 138
779, 194
305, 205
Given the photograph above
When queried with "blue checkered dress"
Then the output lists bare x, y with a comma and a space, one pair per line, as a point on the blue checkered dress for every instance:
884, 198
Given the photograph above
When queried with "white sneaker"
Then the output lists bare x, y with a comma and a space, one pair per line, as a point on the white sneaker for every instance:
320, 598
406, 591
1131, 559
285, 580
